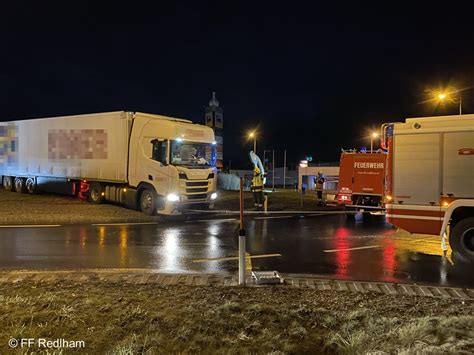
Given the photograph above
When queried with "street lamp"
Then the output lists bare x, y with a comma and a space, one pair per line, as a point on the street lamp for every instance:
254, 136
443, 96
372, 137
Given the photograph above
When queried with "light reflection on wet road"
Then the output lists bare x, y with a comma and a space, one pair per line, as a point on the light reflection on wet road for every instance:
320, 245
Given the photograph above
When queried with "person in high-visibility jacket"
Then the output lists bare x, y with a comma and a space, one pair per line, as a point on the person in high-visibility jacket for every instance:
257, 188
319, 184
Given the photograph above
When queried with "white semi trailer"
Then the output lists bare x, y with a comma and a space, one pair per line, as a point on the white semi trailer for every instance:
152, 163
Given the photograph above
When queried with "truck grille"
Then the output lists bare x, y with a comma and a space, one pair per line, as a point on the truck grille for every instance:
197, 197
194, 190
196, 183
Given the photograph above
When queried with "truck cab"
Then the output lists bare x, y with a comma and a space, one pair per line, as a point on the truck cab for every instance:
172, 164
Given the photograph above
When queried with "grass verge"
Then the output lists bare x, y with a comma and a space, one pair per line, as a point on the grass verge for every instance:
131, 319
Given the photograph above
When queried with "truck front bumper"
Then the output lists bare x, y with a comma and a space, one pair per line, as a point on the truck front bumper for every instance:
184, 203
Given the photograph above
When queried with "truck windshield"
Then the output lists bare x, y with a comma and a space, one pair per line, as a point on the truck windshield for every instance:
193, 153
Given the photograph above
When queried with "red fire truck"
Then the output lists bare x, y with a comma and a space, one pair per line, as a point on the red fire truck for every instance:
361, 181
430, 178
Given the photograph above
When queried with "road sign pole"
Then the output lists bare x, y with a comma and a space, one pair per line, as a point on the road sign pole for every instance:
273, 171
241, 236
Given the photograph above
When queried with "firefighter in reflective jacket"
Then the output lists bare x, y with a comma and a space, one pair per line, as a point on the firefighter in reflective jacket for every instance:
257, 188
319, 184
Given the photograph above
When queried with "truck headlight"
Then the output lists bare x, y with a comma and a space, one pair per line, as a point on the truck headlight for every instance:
172, 197
214, 196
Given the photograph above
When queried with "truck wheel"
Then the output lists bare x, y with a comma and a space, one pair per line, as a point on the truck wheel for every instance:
20, 185
31, 185
148, 202
461, 239
8, 183
96, 193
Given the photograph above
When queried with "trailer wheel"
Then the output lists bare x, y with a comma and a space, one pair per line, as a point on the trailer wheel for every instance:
461, 239
20, 185
148, 202
96, 193
7, 183
31, 185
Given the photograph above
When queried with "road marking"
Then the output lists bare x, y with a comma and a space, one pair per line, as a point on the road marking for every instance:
31, 226
124, 224
213, 220
348, 249
230, 258
276, 217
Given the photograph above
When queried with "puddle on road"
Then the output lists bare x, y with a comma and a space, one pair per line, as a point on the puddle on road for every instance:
361, 251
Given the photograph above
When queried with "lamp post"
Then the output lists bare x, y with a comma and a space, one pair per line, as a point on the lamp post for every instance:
254, 136
372, 137
264, 155
443, 96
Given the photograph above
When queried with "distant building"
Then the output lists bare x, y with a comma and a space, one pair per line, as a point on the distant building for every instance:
215, 119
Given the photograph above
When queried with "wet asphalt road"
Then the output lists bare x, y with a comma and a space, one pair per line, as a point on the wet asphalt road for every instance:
322, 245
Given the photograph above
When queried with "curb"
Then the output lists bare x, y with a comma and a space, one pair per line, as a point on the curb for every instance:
146, 277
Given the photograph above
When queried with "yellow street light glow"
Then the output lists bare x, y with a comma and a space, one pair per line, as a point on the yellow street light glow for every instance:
375, 135
252, 134
441, 96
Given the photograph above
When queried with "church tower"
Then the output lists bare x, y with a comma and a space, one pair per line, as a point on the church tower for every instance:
215, 120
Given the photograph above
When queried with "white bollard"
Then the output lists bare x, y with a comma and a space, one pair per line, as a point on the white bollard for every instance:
242, 257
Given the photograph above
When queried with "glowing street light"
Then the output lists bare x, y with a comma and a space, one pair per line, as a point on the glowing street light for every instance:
253, 135
373, 136
448, 96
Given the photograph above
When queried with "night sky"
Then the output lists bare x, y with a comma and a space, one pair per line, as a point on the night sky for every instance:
313, 78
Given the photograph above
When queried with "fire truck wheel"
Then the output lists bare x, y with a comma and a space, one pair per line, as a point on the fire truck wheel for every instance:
461, 239
96, 193
148, 202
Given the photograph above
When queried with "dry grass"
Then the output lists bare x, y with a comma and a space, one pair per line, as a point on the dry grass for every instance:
130, 319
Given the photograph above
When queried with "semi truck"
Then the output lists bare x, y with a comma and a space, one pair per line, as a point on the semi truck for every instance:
153, 163
361, 181
430, 179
